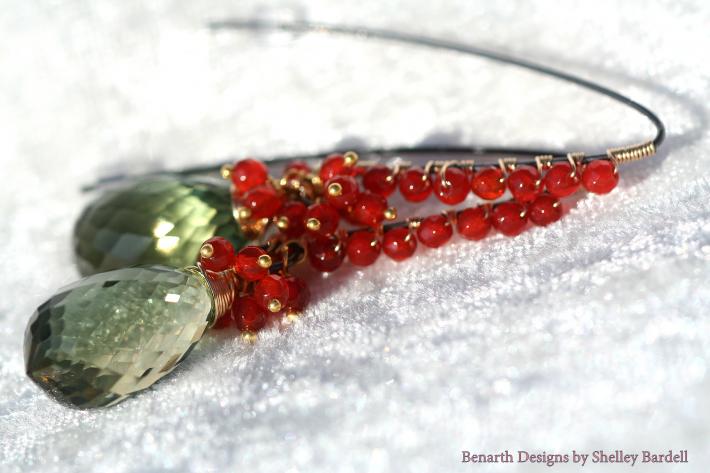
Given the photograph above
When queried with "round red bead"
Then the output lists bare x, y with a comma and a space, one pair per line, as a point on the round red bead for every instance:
600, 176
488, 183
454, 188
561, 180
298, 294
363, 248
328, 219
271, 288
434, 231
248, 315
473, 223
414, 185
334, 165
509, 218
399, 244
247, 174
545, 210
294, 212
379, 180
368, 209
247, 264
348, 192
262, 201
524, 184
325, 253
218, 256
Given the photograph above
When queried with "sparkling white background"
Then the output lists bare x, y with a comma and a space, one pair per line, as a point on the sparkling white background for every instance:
590, 334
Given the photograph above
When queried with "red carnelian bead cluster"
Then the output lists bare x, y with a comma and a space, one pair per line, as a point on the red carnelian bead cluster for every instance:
488, 183
399, 243
380, 180
451, 186
363, 248
600, 177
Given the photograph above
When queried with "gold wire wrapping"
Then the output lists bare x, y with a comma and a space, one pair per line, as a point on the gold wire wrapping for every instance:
632, 153
224, 286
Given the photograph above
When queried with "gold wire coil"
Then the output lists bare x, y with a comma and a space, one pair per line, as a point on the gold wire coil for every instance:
632, 153
223, 286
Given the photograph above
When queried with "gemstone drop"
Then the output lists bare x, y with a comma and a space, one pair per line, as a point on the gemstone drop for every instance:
434, 231
298, 294
509, 218
488, 183
334, 165
217, 254
341, 192
363, 248
153, 221
399, 243
271, 288
294, 213
600, 176
473, 223
112, 334
561, 180
262, 201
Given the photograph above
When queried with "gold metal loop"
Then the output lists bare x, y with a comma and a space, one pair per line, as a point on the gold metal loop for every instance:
575, 160
507, 164
543, 162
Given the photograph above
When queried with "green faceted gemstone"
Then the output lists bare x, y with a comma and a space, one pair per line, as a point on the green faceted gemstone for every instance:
153, 221
112, 334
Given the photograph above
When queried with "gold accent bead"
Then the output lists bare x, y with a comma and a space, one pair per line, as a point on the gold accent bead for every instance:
390, 213
249, 337
274, 305
292, 316
207, 250
335, 189
316, 181
350, 158
313, 224
264, 261
225, 171
243, 213
282, 222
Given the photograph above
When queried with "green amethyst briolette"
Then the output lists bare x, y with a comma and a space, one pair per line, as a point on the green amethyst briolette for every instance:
112, 334
156, 220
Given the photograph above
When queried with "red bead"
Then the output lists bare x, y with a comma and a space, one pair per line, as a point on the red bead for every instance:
327, 217
297, 166
488, 183
262, 202
454, 188
600, 176
545, 210
247, 174
248, 315
217, 254
334, 165
509, 218
473, 223
380, 180
269, 289
434, 231
363, 248
298, 294
247, 264
414, 185
369, 209
325, 253
399, 244
295, 213
561, 180
524, 184
341, 192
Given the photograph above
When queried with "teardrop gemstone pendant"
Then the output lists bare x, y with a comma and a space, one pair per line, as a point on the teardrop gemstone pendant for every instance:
112, 334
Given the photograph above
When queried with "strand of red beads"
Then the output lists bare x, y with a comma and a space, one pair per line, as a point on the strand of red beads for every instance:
314, 207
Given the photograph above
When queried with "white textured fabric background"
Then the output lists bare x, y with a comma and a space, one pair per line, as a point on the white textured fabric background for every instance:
591, 334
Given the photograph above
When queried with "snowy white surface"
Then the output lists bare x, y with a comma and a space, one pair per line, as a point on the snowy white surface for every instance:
590, 334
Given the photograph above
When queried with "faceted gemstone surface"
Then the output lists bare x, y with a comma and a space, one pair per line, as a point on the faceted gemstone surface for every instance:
112, 334
153, 221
